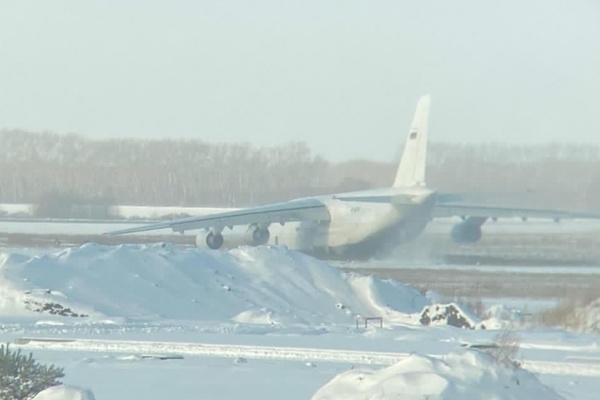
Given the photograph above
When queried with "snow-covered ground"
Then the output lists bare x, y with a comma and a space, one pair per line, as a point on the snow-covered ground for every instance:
123, 211
17, 218
458, 376
157, 321
14, 209
64, 392
247, 285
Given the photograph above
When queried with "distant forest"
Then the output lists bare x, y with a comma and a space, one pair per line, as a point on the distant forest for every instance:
34, 166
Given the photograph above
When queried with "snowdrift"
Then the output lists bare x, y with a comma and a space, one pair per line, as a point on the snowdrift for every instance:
462, 375
64, 392
261, 285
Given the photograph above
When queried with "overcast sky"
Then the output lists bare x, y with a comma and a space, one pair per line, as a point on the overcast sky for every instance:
344, 76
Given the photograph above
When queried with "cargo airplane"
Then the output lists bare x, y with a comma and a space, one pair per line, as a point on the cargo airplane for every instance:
354, 225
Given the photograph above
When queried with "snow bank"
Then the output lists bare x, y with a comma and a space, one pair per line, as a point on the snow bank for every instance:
129, 212
462, 375
262, 285
15, 209
64, 392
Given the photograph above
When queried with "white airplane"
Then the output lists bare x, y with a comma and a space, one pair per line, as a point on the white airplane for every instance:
354, 225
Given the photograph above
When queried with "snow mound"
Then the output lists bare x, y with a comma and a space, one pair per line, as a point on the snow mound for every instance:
461, 375
250, 285
500, 316
64, 392
387, 297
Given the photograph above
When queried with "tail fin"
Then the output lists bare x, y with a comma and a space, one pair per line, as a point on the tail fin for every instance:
411, 170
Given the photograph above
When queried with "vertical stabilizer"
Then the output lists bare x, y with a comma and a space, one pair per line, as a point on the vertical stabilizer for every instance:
411, 170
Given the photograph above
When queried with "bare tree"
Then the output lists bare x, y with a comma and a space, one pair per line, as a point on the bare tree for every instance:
196, 173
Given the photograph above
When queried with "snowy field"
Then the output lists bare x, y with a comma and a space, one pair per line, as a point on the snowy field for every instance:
158, 321
122, 211
18, 218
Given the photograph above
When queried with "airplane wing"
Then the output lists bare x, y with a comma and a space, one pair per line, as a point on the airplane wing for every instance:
484, 211
309, 209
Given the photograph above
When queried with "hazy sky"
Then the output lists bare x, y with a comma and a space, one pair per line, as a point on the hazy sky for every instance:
342, 75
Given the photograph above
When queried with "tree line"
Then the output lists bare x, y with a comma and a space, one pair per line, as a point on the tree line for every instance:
35, 166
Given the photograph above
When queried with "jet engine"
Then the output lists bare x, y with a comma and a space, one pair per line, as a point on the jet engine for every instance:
256, 235
209, 239
466, 232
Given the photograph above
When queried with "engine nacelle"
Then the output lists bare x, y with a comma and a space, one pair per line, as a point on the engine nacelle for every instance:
256, 236
466, 232
209, 239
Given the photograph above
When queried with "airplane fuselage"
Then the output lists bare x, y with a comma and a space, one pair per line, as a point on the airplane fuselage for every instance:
354, 229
